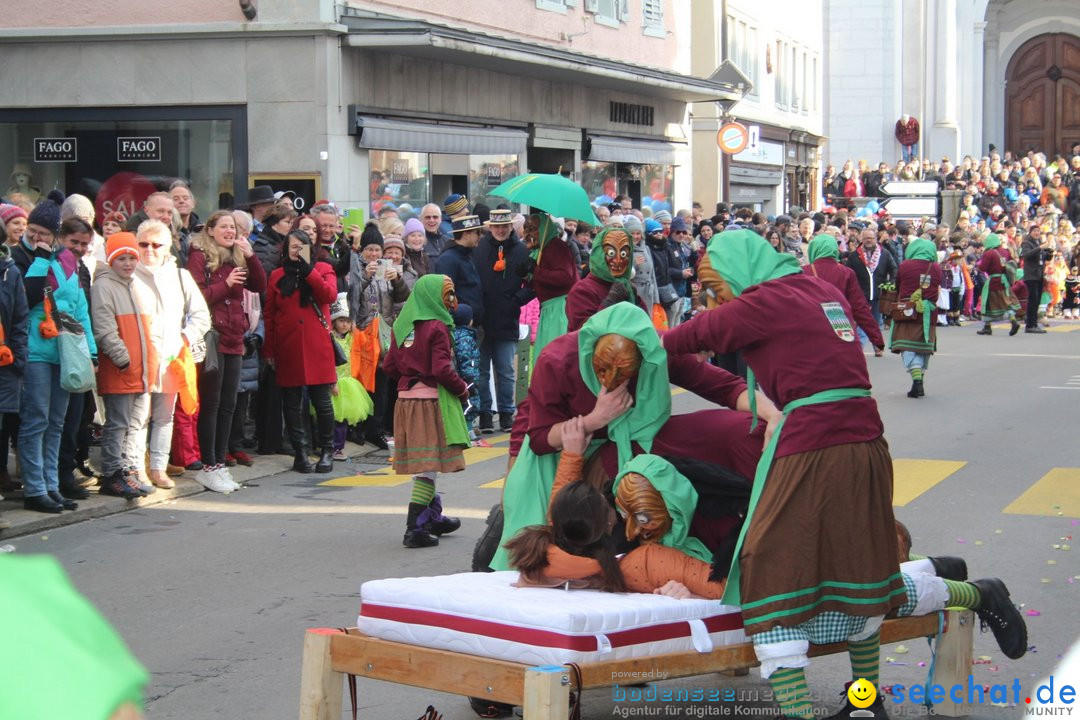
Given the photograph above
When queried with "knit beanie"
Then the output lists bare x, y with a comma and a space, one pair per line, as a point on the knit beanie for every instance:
10, 212
412, 225
120, 244
46, 213
662, 216
340, 307
77, 206
390, 241
371, 236
632, 224
115, 216
455, 203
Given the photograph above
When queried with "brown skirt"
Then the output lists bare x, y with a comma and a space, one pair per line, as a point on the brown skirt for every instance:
998, 304
419, 439
909, 336
822, 538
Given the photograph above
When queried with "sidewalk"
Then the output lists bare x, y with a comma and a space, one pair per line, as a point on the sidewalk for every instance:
28, 522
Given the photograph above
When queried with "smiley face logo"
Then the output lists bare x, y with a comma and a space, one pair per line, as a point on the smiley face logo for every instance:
862, 693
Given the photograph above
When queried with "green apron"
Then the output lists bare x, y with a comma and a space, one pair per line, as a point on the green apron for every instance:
732, 594
553, 324
1013, 305
926, 309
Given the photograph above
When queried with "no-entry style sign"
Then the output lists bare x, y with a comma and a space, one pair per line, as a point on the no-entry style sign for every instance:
732, 138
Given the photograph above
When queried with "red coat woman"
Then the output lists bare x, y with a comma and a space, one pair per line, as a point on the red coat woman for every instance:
296, 318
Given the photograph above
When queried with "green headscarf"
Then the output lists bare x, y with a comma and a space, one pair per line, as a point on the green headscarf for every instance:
598, 265
548, 231
744, 258
425, 303
992, 241
823, 245
58, 629
680, 497
921, 250
652, 394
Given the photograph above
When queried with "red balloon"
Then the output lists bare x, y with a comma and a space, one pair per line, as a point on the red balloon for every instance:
125, 191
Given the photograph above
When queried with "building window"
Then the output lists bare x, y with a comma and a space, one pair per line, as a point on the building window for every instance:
804, 88
814, 86
780, 70
487, 172
558, 6
398, 177
608, 12
742, 50
653, 18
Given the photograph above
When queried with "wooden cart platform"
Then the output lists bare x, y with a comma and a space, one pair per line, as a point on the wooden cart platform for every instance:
543, 692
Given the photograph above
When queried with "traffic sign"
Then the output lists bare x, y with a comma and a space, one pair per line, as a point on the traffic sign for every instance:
733, 138
910, 187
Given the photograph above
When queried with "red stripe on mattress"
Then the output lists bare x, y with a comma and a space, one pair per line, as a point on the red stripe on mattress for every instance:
547, 638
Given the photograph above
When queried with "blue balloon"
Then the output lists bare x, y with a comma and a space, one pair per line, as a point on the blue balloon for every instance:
873, 206
863, 212
603, 200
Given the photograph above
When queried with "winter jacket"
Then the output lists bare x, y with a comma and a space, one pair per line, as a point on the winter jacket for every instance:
870, 283
420, 261
644, 279
123, 313
14, 314
179, 313
410, 276
249, 367
661, 261
296, 340
226, 303
268, 246
504, 293
59, 272
457, 264
1035, 257
369, 296
681, 257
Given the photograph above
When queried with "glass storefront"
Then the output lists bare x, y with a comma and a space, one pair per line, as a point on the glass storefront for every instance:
416, 178
119, 157
487, 172
647, 185
398, 177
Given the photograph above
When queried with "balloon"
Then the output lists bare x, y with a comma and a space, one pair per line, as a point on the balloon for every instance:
863, 212
873, 206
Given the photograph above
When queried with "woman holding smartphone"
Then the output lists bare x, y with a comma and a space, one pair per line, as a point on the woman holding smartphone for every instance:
223, 264
297, 317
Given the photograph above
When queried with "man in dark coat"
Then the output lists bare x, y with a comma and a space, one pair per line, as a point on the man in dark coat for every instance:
502, 260
1035, 251
456, 262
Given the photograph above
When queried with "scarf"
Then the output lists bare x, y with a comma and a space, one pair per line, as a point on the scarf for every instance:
871, 262
598, 265
424, 303
680, 497
296, 272
652, 394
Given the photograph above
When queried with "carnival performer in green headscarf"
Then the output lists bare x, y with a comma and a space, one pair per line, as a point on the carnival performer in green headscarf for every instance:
553, 277
58, 632
824, 256
658, 503
825, 475
611, 266
914, 330
429, 425
997, 299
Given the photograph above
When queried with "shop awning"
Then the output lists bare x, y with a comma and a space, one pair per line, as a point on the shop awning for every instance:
606, 148
377, 133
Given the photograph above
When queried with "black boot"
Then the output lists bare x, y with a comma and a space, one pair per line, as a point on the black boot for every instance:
326, 461
43, 503
916, 390
1015, 327
950, 568
986, 330
72, 490
301, 464
295, 428
506, 421
433, 520
416, 536
922, 387
485, 424
64, 502
997, 612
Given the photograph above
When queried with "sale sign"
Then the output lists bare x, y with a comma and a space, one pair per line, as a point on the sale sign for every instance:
124, 192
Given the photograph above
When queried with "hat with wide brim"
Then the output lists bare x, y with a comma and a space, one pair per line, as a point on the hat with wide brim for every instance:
258, 195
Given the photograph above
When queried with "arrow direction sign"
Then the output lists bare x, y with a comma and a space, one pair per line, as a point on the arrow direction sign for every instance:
910, 207
899, 187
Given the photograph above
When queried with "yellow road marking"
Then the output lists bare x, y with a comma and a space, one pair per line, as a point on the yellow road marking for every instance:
911, 478
496, 484
385, 476
1056, 493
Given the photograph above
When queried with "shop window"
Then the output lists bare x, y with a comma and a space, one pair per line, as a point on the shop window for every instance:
647, 185
487, 172
398, 177
118, 163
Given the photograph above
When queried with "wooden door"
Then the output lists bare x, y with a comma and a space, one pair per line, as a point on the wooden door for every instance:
1043, 95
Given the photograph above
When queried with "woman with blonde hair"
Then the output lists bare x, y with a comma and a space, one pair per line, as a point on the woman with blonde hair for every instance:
219, 263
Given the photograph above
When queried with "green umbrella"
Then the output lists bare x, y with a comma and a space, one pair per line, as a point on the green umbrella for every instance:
554, 194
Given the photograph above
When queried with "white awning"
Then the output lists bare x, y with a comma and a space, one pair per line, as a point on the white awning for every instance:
645, 152
386, 134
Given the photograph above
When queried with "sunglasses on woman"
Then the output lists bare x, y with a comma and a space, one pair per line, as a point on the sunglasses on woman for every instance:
156, 246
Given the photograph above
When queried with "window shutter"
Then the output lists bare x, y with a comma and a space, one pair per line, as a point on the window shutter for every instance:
622, 10
654, 13
592, 6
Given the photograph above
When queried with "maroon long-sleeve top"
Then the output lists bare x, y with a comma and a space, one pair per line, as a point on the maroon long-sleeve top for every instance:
585, 299
425, 358
991, 264
786, 337
556, 273
843, 278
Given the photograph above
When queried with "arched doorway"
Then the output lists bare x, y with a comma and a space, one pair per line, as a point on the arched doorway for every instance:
1042, 109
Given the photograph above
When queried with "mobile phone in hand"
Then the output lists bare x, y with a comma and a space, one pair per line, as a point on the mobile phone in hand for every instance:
305, 253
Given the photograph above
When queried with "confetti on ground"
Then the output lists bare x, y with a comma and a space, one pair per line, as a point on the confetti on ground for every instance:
44, 537
901, 649
961, 540
993, 668
1033, 613
998, 532
922, 664
979, 542
1051, 562
981, 660
887, 689
1045, 581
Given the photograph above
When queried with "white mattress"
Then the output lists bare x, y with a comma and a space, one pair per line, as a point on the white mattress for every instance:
484, 614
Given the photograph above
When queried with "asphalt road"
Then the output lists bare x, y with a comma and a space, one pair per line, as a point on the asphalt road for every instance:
213, 593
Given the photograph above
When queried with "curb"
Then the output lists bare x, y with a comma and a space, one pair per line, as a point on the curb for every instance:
27, 522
